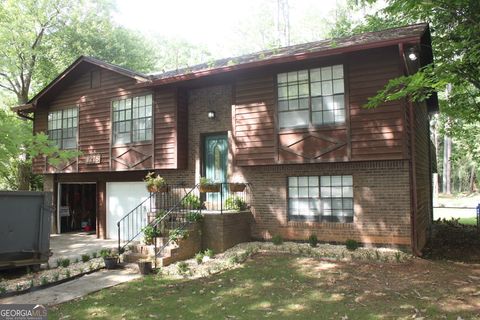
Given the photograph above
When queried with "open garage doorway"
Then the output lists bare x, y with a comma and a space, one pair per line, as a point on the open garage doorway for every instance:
77, 207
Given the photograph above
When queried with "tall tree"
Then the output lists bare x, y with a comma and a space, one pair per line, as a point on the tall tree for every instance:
39, 39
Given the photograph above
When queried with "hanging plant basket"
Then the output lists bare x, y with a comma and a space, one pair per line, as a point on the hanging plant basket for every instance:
152, 189
215, 187
236, 187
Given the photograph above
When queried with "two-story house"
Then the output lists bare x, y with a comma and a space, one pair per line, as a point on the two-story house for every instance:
289, 121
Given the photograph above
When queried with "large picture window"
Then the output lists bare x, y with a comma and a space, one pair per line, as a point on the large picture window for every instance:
62, 128
324, 198
312, 97
132, 119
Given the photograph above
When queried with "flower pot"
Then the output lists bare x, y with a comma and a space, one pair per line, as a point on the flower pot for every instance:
145, 267
236, 187
210, 187
110, 262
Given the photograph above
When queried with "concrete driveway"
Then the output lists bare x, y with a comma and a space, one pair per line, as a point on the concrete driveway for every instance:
73, 245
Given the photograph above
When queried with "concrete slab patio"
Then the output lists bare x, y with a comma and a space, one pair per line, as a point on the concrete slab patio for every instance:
76, 288
73, 245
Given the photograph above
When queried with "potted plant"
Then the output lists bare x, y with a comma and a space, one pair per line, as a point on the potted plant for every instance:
155, 183
207, 185
150, 233
144, 266
237, 186
109, 258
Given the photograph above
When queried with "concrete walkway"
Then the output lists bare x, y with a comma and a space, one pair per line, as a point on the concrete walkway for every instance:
76, 288
72, 245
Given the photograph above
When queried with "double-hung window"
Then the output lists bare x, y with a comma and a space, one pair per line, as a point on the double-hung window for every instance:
311, 97
62, 128
321, 198
132, 119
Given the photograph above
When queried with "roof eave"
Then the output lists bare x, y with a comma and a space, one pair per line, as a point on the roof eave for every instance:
278, 60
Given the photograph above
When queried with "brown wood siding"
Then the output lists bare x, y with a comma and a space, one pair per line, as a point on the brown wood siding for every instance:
94, 135
254, 121
378, 133
182, 130
422, 173
165, 153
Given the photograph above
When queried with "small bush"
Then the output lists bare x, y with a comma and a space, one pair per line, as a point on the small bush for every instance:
191, 201
19, 287
277, 240
235, 203
351, 244
177, 234
77, 260
63, 262
313, 240
43, 281
31, 284
3, 289
94, 255
105, 253
67, 273
234, 259
199, 257
194, 216
149, 234
209, 253
85, 257
182, 267
56, 276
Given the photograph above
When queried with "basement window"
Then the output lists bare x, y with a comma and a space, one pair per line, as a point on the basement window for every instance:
321, 198
132, 119
62, 128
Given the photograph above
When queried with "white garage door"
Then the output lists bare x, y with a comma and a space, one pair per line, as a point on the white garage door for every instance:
123, 197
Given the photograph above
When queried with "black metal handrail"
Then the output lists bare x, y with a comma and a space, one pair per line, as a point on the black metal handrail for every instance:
228, 197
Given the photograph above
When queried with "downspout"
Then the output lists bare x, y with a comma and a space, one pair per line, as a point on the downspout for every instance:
412, 169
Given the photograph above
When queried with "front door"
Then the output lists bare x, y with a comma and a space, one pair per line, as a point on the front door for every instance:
216, 151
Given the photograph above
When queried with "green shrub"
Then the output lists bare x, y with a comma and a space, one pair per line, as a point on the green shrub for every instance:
94, 255
182, 267
56, 276
19, 287
43, 281
209, 253
234, 259
177, 234
67, 273
199, 257
63, 262
313, 240
194, 216
85, 257
235, 203
191, 201
3, 289
351, 244
105, 253
149, 234
277, 239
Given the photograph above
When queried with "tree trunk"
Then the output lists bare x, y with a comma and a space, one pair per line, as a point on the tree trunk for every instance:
472, 180
24, 169
447, 152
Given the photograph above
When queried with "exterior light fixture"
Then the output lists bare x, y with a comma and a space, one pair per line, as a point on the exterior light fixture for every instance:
211, 114
412, 54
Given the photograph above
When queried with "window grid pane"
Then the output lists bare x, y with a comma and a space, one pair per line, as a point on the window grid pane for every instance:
132, 119
311, 97
62, 128
324, 198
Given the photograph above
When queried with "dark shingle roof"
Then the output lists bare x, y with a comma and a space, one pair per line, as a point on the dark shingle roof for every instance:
310, 47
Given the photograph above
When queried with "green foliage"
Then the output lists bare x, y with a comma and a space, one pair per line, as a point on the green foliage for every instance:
43, 281
56, 276
235, 203
351, 244
67, 273
209, 253
206, 182
63, 262
313, 240
182, 267
94, 255
150, 233
154, 182
107, 253
194, 216
277, 240
199, 257
177, 234
191, 201
85, 257
3, 289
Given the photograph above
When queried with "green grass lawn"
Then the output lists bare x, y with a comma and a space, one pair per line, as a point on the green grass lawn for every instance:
471, 220
286, 287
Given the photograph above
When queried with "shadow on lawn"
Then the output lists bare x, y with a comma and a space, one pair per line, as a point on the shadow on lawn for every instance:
286, 287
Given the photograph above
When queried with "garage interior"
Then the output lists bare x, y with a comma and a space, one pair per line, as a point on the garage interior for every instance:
77, 207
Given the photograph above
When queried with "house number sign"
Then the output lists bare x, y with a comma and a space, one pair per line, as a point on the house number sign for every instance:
93, 158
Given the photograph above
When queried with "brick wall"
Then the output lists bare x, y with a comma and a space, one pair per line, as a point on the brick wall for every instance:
381, 202
220, 232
